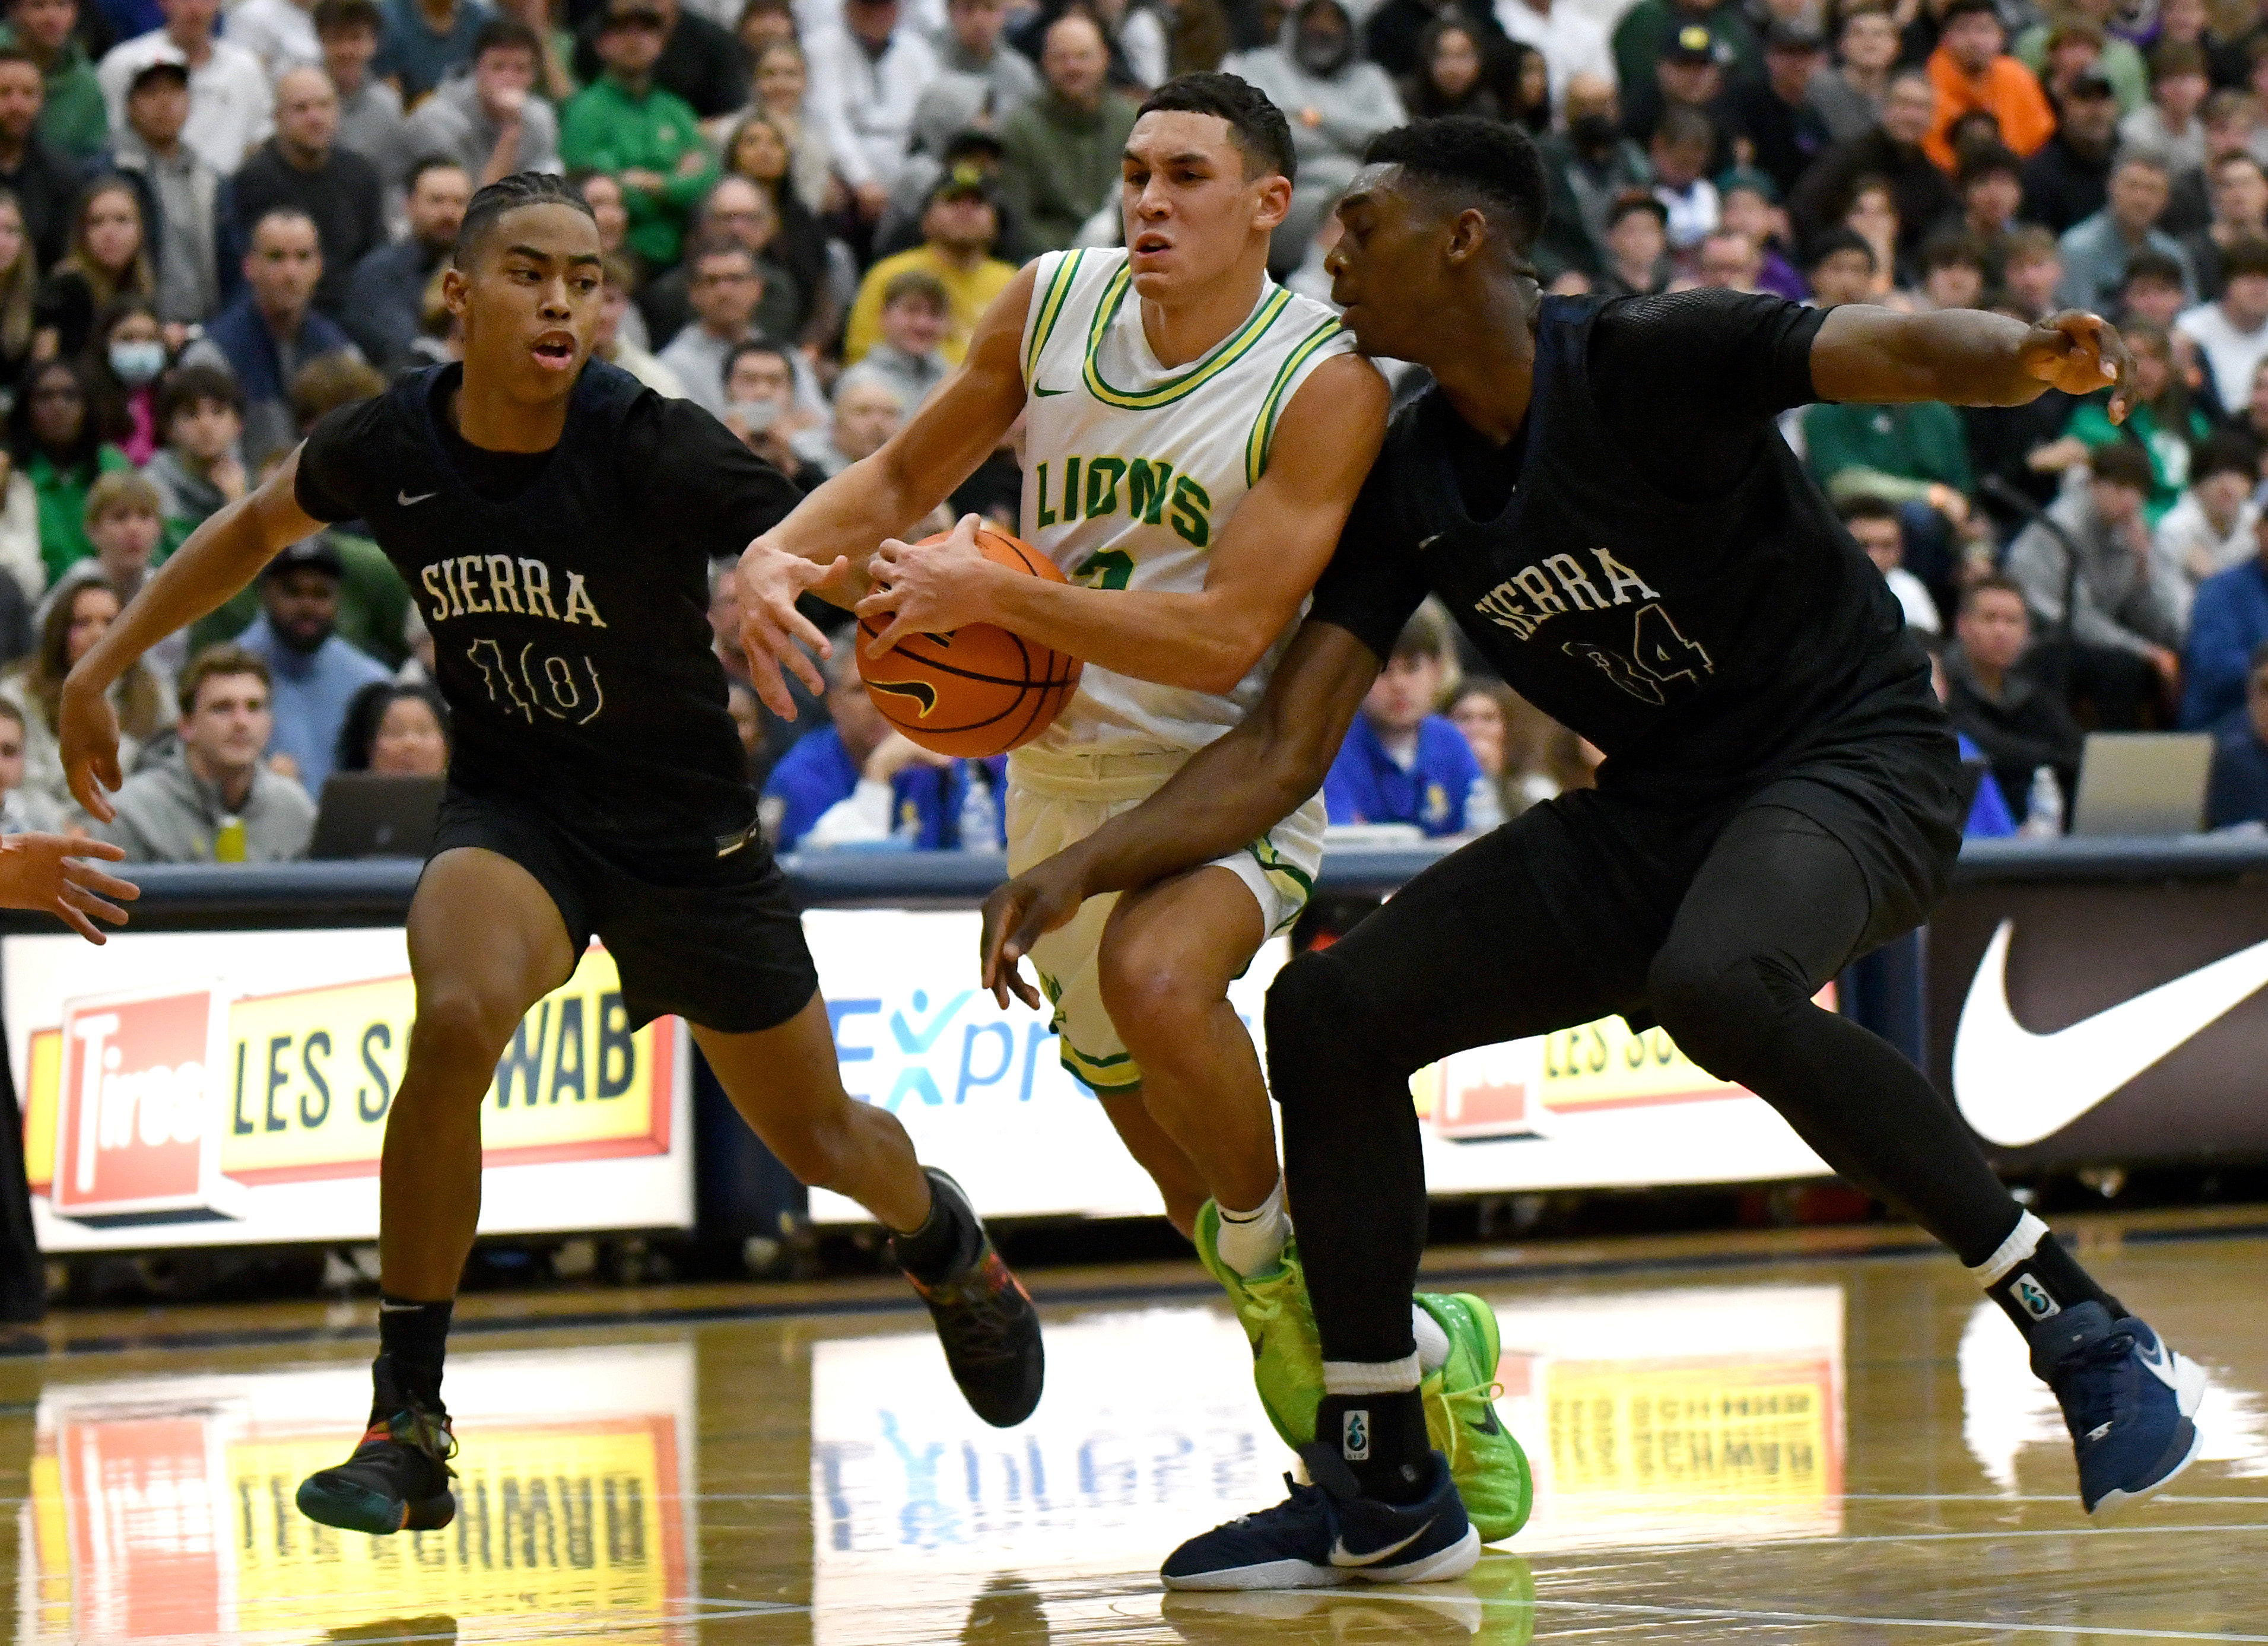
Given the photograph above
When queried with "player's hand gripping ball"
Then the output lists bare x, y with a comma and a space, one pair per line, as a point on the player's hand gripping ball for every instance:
980, 690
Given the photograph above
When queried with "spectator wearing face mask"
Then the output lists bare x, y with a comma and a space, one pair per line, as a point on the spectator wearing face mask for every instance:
125, 358
1591, 166
760, 407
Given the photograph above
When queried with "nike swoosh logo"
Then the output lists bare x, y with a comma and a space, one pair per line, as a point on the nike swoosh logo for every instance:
405, 499
1342, 1555
1425, 543
1486, 1423
2016, 1087
2159, 1360
1038, 391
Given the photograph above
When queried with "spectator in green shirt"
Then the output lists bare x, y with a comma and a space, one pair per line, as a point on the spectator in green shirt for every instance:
648, 138
56, 442
73, 118
1916, 457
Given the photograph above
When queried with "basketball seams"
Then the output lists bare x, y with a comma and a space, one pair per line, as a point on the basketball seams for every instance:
1041, 696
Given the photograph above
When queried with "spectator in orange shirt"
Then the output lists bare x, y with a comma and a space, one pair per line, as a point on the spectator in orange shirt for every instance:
1972, 69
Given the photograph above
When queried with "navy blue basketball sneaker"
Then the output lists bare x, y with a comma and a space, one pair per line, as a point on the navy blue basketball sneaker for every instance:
2128, 1400
1330, 1534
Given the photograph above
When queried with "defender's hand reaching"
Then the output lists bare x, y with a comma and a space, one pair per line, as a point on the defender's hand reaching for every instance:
770, 581
51, 872
1017, 915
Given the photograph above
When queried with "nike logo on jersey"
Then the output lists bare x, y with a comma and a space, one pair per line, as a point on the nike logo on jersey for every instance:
1342, 1555
2016, 1087
1041, 392
406, 500
1424, 543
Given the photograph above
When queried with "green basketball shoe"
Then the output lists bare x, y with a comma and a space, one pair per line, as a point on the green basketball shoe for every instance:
1490, 1468
1287, 1361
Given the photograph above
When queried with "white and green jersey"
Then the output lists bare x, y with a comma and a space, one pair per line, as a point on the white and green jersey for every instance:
1132, 469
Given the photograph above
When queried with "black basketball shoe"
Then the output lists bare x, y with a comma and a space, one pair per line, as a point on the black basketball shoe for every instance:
398, 1479
985, 1319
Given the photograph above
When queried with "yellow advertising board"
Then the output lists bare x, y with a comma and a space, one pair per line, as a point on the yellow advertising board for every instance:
305, 1079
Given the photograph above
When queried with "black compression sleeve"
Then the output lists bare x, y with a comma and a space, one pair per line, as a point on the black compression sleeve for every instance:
1688, 381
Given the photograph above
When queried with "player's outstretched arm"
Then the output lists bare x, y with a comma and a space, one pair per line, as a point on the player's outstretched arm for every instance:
51, 871
220, 557
1266, 559
823, 545
1872, 356
1231, 792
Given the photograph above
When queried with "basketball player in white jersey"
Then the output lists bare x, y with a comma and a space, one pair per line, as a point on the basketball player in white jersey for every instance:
1195, 436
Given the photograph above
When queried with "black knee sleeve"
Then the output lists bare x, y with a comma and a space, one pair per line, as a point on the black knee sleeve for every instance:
1316, 1018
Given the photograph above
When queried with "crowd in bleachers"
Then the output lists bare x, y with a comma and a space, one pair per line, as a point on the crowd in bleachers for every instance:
218, 223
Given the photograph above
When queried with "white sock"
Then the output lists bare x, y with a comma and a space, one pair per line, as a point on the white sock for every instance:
1432, 1342
2022, 1241
1368, 1376
1251, 1242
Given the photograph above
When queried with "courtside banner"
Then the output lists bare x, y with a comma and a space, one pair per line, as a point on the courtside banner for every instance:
985, 1094
2106, 1023
195, 1089
161, 1508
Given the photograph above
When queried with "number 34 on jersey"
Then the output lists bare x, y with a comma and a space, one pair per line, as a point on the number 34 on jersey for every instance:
1657, 656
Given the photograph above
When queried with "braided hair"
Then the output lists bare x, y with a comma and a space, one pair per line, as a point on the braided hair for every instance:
509, 193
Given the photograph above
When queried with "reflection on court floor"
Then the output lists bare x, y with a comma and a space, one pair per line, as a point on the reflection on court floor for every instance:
1858, 1459
164, 1508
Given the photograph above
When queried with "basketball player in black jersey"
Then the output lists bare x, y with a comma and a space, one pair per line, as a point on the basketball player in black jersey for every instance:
1597, 490
556, 522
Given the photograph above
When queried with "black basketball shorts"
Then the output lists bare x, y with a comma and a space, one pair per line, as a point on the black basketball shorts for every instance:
714, 939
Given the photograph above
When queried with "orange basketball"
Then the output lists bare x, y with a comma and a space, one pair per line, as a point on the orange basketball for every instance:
980, 690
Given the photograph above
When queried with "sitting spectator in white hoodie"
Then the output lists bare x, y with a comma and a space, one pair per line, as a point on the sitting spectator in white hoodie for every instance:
2209, 530
1874, 522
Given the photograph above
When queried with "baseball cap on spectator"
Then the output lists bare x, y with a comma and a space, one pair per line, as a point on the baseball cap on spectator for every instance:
169, 64
965, 182
1635, 201
315, 554
1791, 34
1736, 179
971, 140
1694, 44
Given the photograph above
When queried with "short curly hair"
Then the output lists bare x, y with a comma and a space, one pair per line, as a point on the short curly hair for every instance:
1467, 159
509, 193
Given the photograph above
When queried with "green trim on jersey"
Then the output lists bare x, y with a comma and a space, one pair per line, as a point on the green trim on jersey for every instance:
1238, 344
1277, 867
1051, 308
1264, 426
